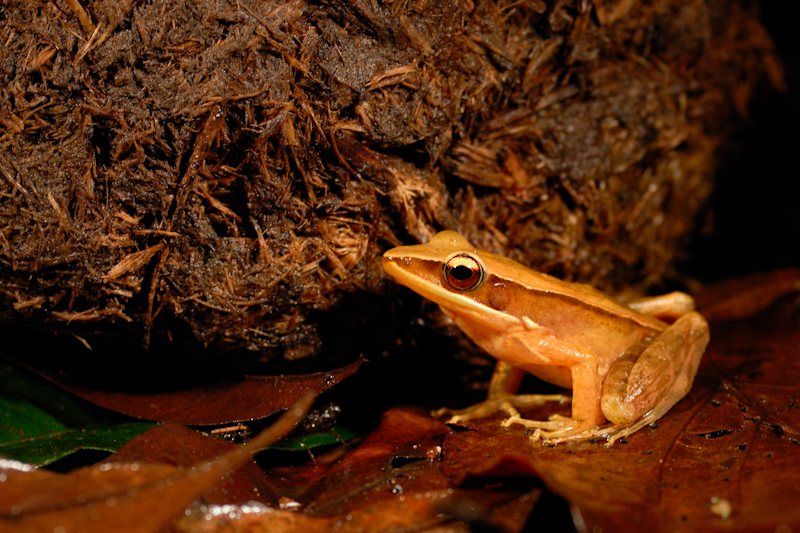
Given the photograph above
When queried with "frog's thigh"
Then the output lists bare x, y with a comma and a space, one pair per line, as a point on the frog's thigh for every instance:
653, 382
667, 306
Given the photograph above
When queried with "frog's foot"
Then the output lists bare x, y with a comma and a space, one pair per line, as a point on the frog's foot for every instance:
553, 423
506, 403
615, 432
610, 432
558, 428
564, 429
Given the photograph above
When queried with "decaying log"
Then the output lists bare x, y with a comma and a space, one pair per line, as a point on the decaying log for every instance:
224, 174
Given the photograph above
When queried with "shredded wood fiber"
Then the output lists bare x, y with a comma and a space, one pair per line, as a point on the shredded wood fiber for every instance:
223, 173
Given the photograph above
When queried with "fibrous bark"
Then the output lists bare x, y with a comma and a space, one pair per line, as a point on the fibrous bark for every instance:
223, 173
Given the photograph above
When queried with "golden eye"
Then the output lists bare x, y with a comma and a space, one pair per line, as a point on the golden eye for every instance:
463, 272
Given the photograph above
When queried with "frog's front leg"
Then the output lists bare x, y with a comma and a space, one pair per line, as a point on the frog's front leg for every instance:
548, 350
502, 397
640, 389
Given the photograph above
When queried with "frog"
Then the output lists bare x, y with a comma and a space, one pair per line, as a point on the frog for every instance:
627, 364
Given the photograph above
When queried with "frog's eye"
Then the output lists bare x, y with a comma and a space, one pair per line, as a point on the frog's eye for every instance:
463, 272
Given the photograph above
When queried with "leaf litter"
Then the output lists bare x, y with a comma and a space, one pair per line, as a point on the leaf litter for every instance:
723, 459
121, 496
41, 423
231, 398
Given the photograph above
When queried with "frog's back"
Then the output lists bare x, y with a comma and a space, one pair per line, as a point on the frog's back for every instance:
576, 312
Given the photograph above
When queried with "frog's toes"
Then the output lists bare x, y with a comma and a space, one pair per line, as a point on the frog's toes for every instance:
530, 424
508, 409
453, 416
547, 425
551, 438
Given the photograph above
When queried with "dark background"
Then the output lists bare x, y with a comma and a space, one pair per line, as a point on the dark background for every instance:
756, 205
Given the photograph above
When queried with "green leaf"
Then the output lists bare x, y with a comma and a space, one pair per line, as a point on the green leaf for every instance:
336, 435
41, 423
48, 448
20, 419
20, 385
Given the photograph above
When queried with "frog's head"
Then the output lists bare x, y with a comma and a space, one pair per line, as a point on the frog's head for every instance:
448, 261
449, 271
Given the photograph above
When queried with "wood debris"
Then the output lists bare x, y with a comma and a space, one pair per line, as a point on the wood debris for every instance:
222, 173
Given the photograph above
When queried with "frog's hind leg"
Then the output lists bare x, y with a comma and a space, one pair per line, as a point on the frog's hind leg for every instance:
669, 307
640, 390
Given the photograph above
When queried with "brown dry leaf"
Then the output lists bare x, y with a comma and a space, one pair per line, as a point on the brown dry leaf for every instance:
392, 481
131, 497
176, 445
742, 297
724, 458
249, 397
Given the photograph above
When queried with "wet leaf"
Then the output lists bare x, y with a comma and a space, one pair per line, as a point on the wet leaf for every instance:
129, 497
391, 481
176, 445
228, 400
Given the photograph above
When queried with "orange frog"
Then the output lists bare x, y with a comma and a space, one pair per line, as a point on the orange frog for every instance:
625, 365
